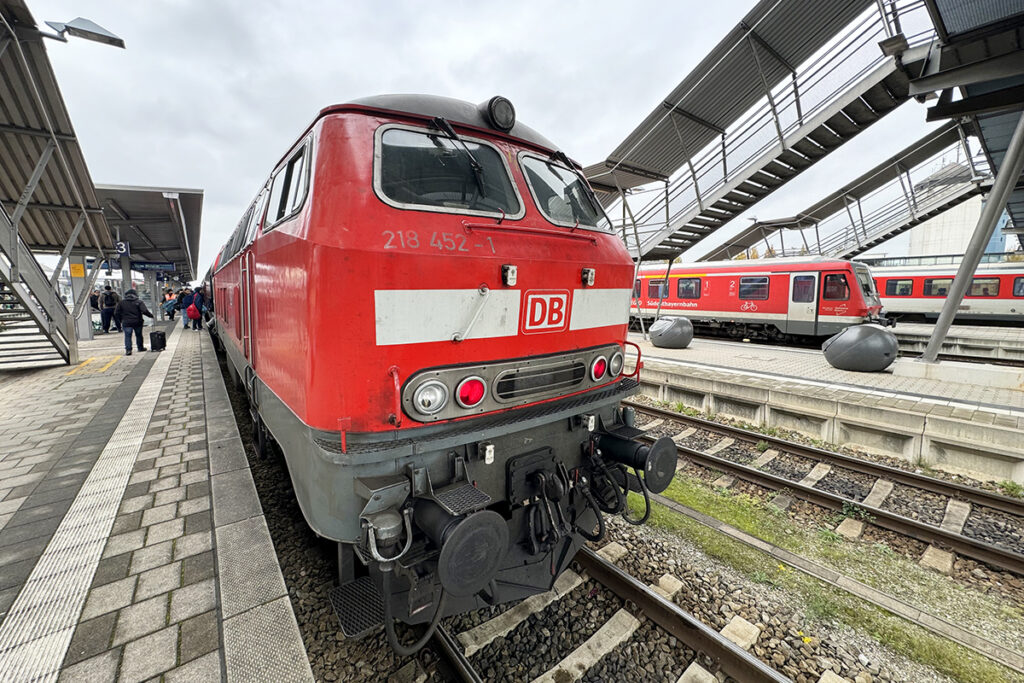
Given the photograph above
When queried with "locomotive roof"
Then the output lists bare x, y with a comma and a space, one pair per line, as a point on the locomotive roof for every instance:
456, 111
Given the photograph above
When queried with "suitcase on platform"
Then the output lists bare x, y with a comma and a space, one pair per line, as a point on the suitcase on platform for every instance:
157, 341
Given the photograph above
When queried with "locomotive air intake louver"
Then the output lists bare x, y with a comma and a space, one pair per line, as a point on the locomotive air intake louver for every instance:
556, 377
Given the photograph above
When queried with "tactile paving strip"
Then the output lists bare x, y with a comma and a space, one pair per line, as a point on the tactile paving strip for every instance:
37, 631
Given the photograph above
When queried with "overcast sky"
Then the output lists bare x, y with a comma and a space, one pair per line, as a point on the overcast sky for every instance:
210, 93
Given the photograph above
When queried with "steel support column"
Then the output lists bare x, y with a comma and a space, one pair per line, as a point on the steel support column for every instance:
664, 294
67, 248
767, 90
639, 254
126, 273
26, 195
80, 288
1005, 181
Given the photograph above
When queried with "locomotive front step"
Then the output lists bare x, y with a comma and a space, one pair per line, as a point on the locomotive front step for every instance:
358, 606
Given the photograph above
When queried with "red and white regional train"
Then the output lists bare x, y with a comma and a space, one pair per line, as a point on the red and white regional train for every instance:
428, 310
780, 299
917, 293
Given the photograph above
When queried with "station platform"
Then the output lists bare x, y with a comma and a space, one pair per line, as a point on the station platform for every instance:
975, 341
966, 428
132, 542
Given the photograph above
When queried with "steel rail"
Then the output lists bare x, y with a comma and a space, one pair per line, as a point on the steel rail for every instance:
968, 547
947, 488
732, 659
448, 648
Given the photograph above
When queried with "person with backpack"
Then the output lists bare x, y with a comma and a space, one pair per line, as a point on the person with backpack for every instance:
186, 300
130, 311
199, 301
109, 300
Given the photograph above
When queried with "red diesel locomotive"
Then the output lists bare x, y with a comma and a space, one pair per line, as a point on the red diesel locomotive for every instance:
779, 299
427, 309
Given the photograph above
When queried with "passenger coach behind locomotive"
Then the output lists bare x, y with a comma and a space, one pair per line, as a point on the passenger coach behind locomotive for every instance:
428, 309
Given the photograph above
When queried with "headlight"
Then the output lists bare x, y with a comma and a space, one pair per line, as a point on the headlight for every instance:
615, 364
430, 397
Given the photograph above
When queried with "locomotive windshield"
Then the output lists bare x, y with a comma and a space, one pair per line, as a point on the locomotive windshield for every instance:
561, 196
420, 169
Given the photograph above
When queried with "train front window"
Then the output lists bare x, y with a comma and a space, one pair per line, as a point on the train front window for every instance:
867, 285
688, 288
561, 196
755, 288
836, 288
421, 169
895, 287
935, 286
984, 286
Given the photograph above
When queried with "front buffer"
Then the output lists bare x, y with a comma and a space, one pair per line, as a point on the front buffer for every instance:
497, 516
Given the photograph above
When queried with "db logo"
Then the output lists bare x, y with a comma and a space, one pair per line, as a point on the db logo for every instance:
546, 311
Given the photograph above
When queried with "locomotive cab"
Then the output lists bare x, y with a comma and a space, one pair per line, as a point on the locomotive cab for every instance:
428, 309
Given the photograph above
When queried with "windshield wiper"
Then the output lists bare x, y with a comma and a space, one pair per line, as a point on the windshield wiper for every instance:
563, 159
442, 125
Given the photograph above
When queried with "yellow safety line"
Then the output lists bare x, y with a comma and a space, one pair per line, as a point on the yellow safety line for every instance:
104, 368
82, 365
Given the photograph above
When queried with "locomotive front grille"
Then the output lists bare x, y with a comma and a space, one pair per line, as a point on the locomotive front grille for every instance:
508, 383
553, 378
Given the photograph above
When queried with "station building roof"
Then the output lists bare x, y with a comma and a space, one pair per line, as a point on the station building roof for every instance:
160, 224
37, 138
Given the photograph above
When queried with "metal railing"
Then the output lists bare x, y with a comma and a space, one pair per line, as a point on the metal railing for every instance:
816, 84
899, 204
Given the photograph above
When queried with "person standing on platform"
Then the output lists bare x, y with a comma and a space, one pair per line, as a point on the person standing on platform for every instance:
94, 300
109, 300
170, 303
131, 309
199, 301
186, 300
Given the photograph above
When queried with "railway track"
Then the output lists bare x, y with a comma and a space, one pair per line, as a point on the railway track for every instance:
639, 602
966, 508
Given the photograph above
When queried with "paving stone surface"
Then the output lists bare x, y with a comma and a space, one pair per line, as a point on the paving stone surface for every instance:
153, 610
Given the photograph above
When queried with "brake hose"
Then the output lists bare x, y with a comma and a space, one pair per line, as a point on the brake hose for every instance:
389, 622
584, 488
647, 500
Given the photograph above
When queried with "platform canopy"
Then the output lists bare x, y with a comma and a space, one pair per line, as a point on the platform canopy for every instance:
42, 163
981, 53
719, 90
160, 225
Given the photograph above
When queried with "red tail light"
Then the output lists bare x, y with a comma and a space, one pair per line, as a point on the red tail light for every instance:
598, 368
470, 392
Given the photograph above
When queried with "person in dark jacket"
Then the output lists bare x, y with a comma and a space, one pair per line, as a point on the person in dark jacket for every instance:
109, 299
186, 301
131, 309
199, 299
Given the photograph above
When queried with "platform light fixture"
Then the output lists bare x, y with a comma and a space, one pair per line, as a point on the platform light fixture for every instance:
83, 28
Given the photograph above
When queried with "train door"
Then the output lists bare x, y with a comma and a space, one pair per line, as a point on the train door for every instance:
246, 307
803, 303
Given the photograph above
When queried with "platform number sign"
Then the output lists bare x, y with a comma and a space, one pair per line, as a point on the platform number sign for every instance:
546, 311
122, 248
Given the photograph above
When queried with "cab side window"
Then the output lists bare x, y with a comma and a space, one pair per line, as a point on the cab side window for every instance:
836, 288
288, 188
